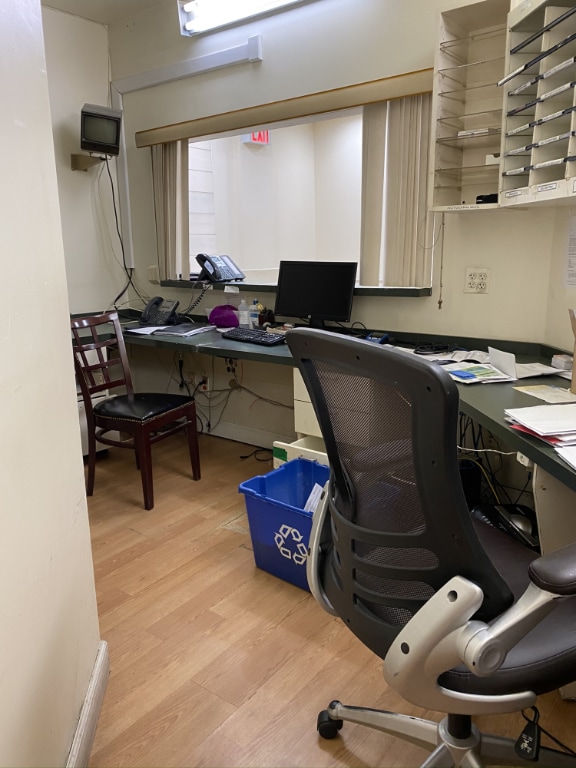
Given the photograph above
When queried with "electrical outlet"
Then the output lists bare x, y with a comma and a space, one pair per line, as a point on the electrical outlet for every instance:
528, 463
202, 382
470, 280
483, 281
476, 280
154, 274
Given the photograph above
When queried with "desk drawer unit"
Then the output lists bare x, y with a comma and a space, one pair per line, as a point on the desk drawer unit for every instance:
305, 422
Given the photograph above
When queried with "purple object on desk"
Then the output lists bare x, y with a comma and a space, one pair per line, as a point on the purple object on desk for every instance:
224, 316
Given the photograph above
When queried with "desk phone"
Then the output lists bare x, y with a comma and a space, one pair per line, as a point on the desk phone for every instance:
160, 311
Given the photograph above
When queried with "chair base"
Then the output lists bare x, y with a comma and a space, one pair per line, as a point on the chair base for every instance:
473, 751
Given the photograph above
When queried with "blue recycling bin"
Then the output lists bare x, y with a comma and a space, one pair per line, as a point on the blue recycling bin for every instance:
279, 525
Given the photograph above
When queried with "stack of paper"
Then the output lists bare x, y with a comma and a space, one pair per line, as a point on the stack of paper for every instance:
555, 424
495, 366
472, 373
182, 329
506, 362
568, 454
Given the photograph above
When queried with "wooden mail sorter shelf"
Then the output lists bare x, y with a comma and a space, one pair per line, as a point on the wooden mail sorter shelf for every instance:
539, 105
467, 105
504, 125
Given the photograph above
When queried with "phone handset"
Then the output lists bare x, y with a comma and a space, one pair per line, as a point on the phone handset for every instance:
159, 311
218, 269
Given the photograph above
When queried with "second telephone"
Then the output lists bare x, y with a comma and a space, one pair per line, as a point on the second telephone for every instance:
160, 311
218, 269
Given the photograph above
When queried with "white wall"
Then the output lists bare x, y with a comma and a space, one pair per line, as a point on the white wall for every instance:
327, 45
49, 629
77, 61
321, 46
257, 196
296, 198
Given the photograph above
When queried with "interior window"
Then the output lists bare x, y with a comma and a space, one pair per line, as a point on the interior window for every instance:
346, 186
284, 193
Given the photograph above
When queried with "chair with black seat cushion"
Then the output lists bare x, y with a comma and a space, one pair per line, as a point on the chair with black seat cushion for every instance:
142, 418
467, 620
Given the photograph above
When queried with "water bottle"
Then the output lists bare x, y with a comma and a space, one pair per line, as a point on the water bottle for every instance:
254, 314
243, 315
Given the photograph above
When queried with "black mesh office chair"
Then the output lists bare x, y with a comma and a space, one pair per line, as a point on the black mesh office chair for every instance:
467, 620
140, 418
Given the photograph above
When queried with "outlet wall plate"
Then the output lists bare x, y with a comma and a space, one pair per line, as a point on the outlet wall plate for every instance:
477, 280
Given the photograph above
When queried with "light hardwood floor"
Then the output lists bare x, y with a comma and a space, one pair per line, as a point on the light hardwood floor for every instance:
213, 661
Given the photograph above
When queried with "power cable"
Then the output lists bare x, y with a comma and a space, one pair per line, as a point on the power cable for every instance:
128, 270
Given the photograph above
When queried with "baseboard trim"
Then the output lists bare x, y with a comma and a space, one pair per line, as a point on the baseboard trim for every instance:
84, 736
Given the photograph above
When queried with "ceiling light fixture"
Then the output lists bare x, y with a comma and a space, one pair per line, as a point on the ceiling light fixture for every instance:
198, 16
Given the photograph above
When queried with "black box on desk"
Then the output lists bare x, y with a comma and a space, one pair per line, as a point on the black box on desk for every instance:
279, 525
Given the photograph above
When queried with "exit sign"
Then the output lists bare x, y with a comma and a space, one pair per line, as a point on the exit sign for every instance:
256, 137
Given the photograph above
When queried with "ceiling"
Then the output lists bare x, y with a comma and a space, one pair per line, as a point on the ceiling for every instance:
102, 11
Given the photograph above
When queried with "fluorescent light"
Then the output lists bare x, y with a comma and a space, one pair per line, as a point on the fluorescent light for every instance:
202, 15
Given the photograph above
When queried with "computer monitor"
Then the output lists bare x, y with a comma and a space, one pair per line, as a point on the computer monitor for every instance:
316, 290
100, 129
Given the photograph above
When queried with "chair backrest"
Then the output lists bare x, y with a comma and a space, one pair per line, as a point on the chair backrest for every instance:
100, 357
399, 526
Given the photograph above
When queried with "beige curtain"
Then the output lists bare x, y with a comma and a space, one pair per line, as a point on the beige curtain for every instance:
374, 122
395, 245
170, 185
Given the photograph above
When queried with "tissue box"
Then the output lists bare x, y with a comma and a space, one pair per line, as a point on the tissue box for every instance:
562, 362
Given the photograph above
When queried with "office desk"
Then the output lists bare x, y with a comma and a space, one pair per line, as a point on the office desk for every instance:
212, 343
553, 481
485, 403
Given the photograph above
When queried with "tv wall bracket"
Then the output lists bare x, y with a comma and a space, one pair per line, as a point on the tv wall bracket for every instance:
83, 162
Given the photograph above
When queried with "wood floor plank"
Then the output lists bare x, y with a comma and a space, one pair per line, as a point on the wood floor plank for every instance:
162, 736
214, 662
188, 584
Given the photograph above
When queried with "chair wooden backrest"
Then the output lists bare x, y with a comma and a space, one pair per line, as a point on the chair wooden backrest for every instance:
100, 357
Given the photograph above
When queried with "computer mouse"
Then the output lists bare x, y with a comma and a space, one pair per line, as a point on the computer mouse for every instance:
522, 523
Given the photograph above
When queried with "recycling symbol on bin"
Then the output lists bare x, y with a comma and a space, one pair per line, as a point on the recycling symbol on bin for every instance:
290, 544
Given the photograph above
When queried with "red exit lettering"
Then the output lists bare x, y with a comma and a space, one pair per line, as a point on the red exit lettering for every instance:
261, 137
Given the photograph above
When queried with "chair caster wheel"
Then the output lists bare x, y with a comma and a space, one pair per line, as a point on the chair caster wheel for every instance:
326, 727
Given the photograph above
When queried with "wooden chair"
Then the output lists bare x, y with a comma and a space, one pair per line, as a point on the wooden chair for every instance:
142, 418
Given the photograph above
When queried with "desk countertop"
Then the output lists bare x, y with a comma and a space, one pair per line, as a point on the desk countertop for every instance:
212, 343
485, 403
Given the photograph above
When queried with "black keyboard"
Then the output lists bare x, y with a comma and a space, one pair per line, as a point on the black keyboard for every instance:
254, 336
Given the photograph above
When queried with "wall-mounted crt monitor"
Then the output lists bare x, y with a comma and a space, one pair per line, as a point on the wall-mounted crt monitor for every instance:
100, 129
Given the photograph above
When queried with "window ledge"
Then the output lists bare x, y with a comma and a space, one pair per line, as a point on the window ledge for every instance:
362, 290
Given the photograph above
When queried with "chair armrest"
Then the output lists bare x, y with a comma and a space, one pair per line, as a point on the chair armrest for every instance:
315, 553
556, 572
483, 647
443, 634
552, 577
